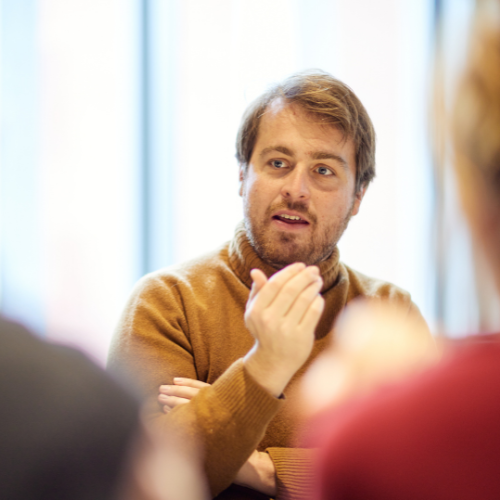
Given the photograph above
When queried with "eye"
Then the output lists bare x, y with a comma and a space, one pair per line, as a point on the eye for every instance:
278, 164
324, 171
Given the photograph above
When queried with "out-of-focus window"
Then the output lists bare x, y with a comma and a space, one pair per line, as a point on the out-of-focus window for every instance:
69, 165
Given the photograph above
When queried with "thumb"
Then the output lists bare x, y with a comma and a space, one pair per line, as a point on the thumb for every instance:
259, 280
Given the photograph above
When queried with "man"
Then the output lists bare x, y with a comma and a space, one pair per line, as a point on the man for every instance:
306, 151
66, 426
435, 437
68, 431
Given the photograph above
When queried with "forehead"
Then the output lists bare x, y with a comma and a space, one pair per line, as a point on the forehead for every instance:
292, 125
282, 118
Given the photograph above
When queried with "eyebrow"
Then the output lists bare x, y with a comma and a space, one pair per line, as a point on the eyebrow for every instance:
280, 149
318, 155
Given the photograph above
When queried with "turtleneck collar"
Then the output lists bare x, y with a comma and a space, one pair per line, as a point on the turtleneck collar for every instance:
243, 258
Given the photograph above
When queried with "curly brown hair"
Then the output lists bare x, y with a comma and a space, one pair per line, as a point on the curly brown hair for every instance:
326, 98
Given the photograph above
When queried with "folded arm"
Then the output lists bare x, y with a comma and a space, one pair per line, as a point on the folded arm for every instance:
230, 417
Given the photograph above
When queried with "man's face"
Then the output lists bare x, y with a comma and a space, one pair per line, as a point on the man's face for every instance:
298, 190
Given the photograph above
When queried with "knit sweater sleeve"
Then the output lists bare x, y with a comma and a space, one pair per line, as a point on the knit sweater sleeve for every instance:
294, 472
227, 419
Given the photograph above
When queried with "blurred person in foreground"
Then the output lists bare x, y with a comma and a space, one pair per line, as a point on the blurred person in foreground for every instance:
435, 436
68, 431
227, 337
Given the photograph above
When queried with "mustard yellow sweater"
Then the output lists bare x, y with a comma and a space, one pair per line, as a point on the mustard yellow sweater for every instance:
187, 321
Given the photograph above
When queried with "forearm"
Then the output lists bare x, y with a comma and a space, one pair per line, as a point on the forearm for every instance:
280, 473
258, 473
229, 420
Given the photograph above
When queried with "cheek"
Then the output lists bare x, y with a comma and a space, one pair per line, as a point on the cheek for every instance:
253, 200
259, 191
482, 211
335, 207
482, 215
473, 202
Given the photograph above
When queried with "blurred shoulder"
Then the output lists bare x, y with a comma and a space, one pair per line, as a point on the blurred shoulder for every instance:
361, 285
57, 403
30, 364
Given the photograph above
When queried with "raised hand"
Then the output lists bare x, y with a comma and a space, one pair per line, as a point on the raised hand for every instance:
183, 390
282, 314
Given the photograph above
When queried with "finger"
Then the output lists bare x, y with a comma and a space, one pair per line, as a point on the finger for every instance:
190, 382
302, 303
179, 391
274, 285
293, 289
313, 313
172, 401
259, 280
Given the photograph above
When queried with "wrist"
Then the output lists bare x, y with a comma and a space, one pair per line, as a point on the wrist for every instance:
267, 473
258, 473
265, 372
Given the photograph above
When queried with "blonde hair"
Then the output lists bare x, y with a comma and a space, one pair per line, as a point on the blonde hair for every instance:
476, 114
326, 98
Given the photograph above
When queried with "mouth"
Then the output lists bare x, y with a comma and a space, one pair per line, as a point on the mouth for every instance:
291, 219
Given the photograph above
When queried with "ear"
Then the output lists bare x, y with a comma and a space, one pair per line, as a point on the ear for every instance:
358, 197
241, 179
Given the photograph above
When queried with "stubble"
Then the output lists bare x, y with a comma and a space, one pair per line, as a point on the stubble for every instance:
280, 248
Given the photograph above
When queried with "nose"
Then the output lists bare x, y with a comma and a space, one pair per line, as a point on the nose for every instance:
296, 185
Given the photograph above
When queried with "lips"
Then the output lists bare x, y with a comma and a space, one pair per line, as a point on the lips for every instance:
288, 218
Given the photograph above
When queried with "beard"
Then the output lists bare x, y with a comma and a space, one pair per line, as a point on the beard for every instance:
280, 248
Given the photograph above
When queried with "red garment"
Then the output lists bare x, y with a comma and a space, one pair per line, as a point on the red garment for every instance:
434, 437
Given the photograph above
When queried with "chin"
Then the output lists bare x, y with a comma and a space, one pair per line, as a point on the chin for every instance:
285, 253
282, 249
